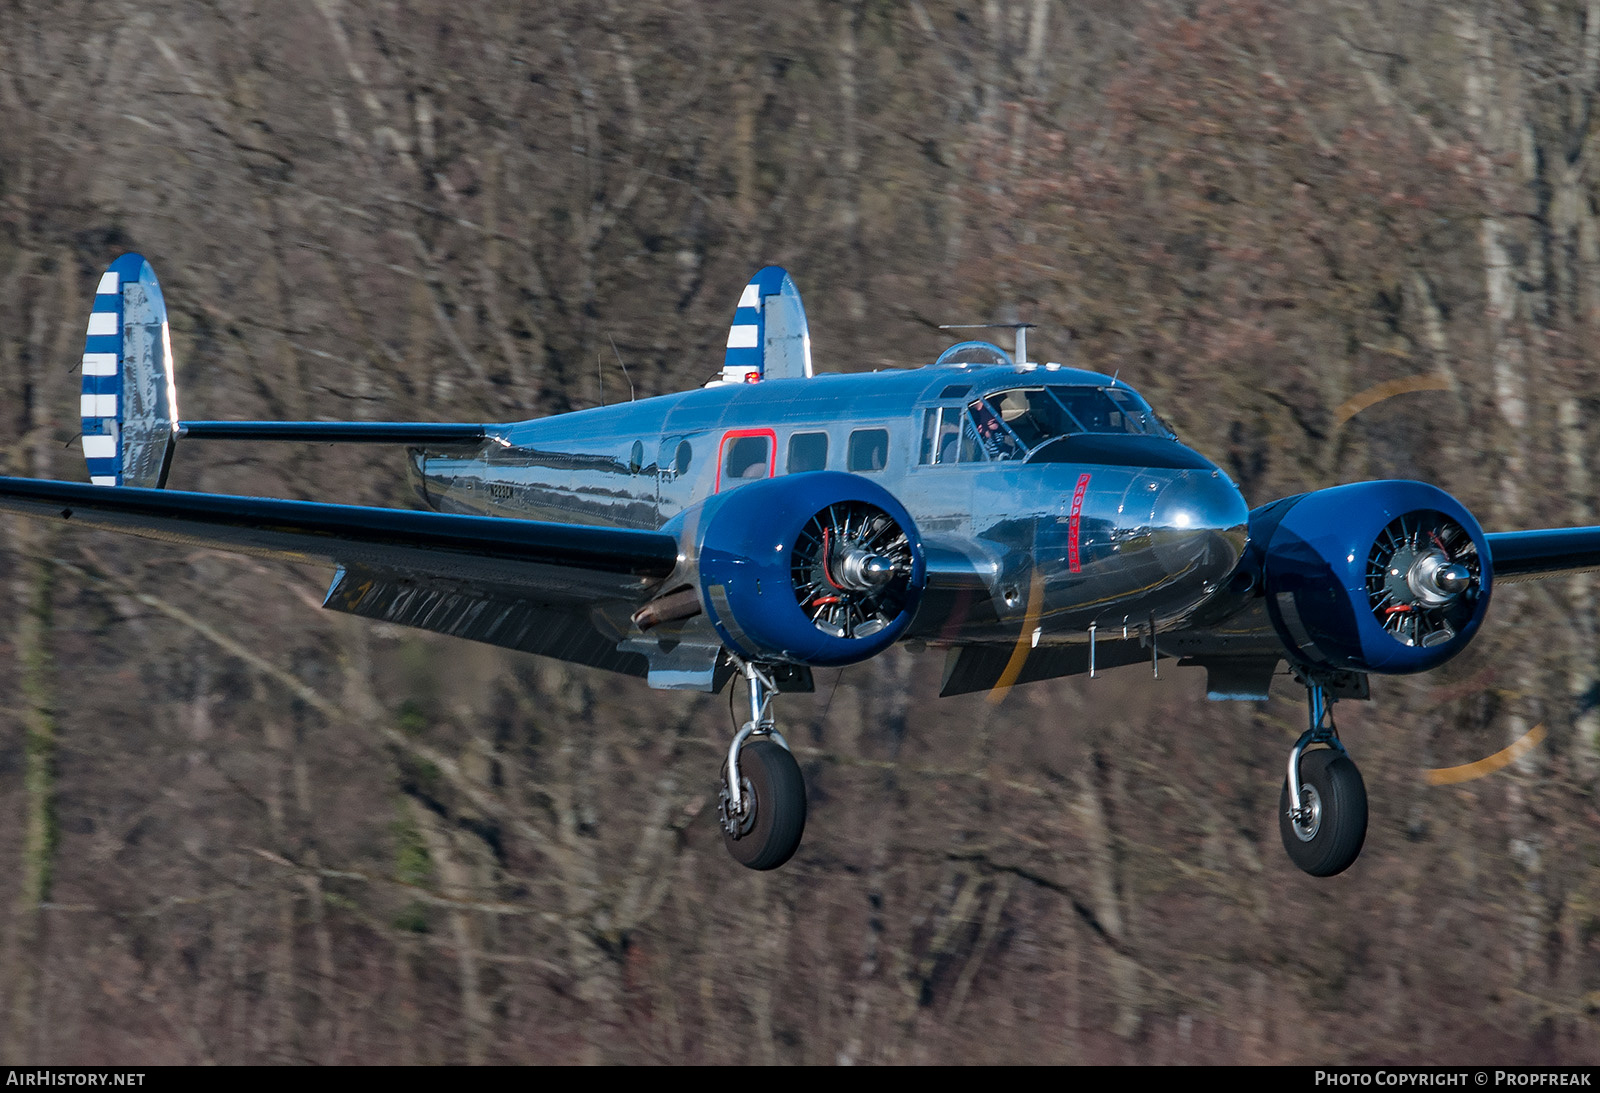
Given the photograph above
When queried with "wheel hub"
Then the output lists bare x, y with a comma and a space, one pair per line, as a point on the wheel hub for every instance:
1307, 819
737, 822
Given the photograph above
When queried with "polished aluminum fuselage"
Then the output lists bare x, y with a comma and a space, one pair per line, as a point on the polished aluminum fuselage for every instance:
1136, 540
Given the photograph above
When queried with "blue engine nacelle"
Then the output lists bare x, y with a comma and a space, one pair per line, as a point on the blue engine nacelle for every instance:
1389, 577
821, 568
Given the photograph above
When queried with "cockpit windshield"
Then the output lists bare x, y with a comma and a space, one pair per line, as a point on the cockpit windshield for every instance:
1012, 424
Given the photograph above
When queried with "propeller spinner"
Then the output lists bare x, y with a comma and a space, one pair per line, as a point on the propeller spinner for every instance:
851, 566
1422, 578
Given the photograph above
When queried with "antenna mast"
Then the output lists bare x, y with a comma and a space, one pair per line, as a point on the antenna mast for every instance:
1019, 329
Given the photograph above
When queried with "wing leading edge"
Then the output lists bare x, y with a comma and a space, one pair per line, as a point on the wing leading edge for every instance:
1547, 552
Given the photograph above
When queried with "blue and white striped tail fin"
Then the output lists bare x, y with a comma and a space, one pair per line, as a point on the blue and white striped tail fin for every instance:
130, 400
769, 338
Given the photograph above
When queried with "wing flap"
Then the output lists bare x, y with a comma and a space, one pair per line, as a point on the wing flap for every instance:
972, 668
496, 615
561, 562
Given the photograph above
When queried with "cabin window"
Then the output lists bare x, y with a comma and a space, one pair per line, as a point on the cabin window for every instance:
807, 452
746, 454
636, 457
680, 461
868, 450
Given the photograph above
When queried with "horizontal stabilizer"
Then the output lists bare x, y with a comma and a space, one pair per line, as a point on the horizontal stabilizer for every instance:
418, 433
130, 401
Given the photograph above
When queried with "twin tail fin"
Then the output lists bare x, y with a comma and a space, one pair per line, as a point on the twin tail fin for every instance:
769, 338
130, 400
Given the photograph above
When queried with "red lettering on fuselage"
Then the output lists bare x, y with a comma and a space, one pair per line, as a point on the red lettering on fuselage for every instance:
1072, 524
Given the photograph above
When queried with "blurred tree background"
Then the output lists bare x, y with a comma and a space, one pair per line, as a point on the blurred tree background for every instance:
239, 829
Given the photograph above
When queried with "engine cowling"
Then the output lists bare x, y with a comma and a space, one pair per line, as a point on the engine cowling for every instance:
1389, 577
823, 568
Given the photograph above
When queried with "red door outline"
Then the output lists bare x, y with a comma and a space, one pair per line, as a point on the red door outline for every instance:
736, 434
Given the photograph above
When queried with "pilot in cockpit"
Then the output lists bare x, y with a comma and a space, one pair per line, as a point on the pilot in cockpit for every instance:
993, 436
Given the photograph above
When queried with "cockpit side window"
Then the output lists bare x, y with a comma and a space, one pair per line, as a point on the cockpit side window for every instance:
944, 437
997, 441
930, 437
1137, 413
968, 449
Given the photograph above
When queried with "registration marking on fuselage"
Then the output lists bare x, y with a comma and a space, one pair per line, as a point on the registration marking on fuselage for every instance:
1072, 526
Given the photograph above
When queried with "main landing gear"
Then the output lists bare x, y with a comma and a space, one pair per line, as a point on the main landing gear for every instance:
763, 801
1322, 812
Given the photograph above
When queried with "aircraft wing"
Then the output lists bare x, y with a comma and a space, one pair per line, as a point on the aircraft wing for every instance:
1241, 653
544, 563
1549, 552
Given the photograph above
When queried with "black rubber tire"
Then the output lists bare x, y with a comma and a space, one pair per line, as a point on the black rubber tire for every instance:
777, 814
1342, 829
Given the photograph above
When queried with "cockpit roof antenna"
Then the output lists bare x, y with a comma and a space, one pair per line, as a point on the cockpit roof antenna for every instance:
1020, 328
600, 376
625, 375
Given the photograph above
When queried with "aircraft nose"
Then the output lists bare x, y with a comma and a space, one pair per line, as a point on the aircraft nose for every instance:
1199, 526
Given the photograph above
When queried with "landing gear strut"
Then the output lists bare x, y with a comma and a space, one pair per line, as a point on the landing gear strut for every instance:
762, 806
1322, 812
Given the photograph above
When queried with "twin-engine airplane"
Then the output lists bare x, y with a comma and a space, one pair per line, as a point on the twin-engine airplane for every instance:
1034, 521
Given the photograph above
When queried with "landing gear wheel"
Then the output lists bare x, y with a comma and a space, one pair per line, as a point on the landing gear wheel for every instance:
768, 833
1329, 839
